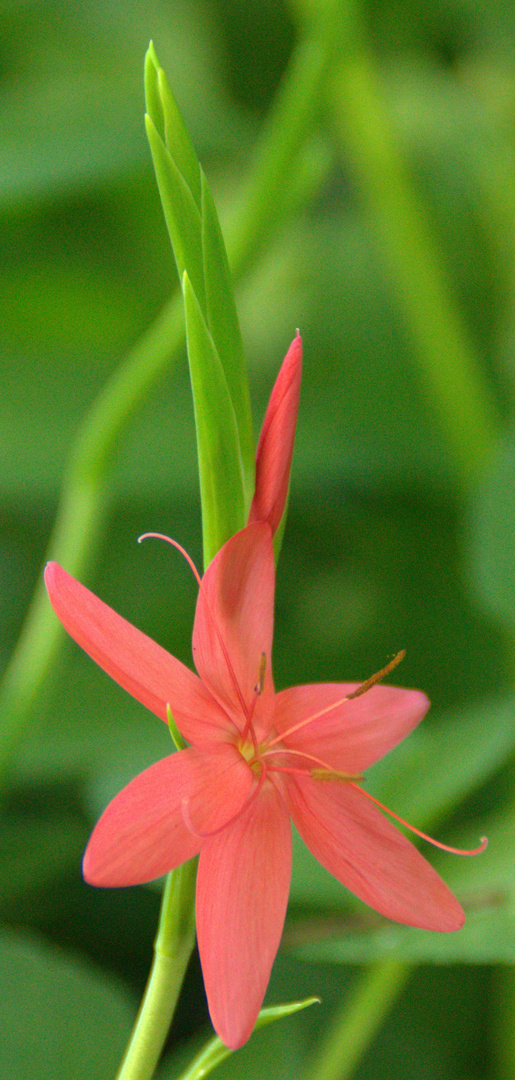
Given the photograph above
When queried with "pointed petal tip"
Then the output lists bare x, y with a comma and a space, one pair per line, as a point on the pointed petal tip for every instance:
275, 446
246, 870
456, 919
49, 574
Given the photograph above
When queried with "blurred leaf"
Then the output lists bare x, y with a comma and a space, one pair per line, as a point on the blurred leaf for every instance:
58, 1017
493, 875
35, 853
492, 532
488, 937
96, 729
459, 147
71, 90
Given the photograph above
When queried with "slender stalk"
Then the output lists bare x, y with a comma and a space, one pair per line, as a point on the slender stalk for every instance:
292, 118
449, 366
81, 517
172, 950
358, 1020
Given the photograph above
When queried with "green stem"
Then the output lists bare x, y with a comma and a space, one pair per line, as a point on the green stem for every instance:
358, 1020
172, 950
81, 516
292, 118
449, 365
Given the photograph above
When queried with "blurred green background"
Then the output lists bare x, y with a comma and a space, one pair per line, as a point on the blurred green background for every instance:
386, 547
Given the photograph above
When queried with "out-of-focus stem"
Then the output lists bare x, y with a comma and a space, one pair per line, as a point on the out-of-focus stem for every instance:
456, 386
81, 516
358, 1020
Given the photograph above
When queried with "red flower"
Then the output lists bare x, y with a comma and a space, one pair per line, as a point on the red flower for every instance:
256, 758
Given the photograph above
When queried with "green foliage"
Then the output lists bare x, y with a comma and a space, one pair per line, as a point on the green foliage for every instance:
214, 1053
200, 254
220, 470
58, 1016
381, 549
492, 533
488, 937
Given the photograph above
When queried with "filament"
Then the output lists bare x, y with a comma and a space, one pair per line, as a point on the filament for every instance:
436, 843
191, 564
361, 689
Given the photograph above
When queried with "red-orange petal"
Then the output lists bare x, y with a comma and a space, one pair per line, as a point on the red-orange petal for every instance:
353, 734
275, 446
151, 674
242, 893
360, 847
144, 833
234, 624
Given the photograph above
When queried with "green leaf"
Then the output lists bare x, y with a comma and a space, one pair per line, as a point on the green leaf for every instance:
153, 103
223, 324
58, 1017
198, 245
215, 1051
492, 530
162, 109
220, 469
488, 937
178, 741
180, 211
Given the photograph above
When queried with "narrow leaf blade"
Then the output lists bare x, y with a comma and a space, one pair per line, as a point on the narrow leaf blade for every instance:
215, 1051
224, 327
220, 469
180, 210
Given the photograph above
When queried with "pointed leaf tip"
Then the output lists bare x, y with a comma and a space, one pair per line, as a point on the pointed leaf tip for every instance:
216, 1051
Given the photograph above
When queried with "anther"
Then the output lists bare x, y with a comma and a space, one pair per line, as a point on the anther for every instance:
335, 774
258, 689
379, 675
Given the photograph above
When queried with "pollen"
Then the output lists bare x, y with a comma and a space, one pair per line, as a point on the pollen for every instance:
330, 774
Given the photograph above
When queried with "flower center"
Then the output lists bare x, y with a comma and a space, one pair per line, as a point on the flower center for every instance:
252, 754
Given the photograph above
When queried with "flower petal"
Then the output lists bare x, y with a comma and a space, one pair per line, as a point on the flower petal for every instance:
355, 733
143, 833
242, 893
356, 843
275, 446
151, 674
235, 607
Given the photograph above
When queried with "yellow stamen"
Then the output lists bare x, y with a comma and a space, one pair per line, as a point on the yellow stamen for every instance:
378, 676
334, 774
